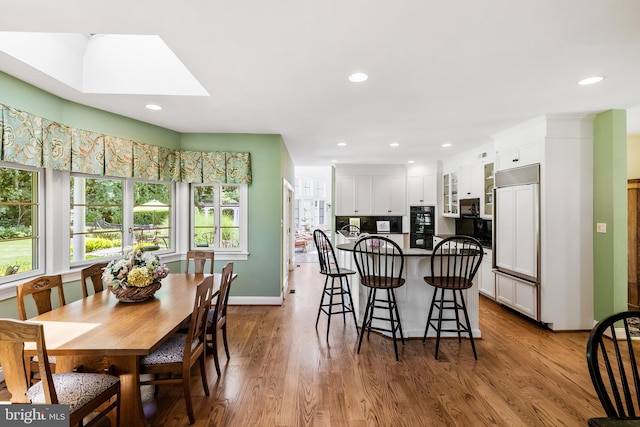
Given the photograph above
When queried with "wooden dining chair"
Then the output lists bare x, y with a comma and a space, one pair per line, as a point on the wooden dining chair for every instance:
199, 259
93, 273
172, 362
40, 289
84, 393
217, 320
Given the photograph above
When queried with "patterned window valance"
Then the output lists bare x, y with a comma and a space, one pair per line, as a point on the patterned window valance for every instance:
31, 140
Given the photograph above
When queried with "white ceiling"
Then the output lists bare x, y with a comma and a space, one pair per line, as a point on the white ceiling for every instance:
439, 71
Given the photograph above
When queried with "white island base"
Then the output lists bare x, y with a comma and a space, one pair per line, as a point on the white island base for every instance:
413, 298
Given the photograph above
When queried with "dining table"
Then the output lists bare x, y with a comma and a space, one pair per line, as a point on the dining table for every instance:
99, 332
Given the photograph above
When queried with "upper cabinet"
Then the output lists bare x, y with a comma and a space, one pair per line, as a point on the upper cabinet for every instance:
422, 190
450, 204
370, 190
389, 195
521, 155
487, 201
353, 195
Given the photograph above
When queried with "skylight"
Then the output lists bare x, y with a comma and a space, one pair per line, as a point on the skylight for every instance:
105, 63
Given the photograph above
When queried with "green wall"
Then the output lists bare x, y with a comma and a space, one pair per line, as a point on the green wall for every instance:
260, 275
610, 207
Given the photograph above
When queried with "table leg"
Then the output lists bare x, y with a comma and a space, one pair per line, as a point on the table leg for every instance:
128, 370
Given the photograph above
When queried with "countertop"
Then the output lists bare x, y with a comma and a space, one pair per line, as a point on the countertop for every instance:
413, 252
485, 244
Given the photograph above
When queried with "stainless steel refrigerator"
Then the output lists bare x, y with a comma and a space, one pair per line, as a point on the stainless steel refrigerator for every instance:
516, 239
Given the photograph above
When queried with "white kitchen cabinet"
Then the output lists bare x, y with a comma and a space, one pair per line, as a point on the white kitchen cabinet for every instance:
389, 195
353, 195
487, 200
523, 155
471, 181
422, 190
450, 203
486, 277
517, 294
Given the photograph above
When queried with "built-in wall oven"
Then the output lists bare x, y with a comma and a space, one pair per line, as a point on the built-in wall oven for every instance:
422, 227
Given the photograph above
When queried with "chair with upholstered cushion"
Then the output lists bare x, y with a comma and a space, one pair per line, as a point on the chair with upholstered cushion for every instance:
218, 316
380, 262
93, 273
180, 352
40, 290
199, 259
85, 394
454, 263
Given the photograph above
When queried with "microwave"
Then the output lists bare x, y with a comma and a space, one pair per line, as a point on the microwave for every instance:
470, 208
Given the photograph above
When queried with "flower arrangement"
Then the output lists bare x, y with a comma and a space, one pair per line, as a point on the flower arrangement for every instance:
138, 270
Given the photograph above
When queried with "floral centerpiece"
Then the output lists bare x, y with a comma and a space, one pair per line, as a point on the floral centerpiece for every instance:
135, 278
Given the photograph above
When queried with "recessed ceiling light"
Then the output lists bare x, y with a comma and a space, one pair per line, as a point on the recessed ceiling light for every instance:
341, 144
446, 145
393, 144
154, 107
411, 161
333, 161
590, 80
358, 77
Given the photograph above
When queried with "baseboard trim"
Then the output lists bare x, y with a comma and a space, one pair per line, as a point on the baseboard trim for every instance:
255, 300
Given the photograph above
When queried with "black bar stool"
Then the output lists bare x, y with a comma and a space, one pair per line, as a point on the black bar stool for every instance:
380, 262
329, 267
454, 263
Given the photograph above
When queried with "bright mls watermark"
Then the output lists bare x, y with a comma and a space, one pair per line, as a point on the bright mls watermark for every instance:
34, 415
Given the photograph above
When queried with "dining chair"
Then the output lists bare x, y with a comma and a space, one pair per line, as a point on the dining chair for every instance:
380, 262
454, 263
199, 259
341, 290
217, 320
176, 356
93, 273
613, 365
85, 393
40, 289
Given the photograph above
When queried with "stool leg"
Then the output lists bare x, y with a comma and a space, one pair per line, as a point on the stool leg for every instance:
456, 308
344, 307
324, 291
433, 302
441, 309
333, 279
395, 305
391, 300
366, 316
466, 316
353, 310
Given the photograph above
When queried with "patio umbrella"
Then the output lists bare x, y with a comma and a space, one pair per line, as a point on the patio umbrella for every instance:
152, 206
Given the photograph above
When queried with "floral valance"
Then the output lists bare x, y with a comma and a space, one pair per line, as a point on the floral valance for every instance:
35, 141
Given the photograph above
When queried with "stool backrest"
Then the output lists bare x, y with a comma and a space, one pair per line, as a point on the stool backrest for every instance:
326, 254
380, 262
455, 262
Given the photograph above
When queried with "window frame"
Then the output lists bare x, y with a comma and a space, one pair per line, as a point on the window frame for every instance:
242, 251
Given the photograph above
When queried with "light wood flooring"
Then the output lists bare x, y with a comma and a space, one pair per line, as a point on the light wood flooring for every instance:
284, 373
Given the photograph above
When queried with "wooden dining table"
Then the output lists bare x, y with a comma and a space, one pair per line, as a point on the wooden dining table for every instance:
99, 331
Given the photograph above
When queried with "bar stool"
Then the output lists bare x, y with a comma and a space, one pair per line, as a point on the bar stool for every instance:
454, 263
329, 267
380, 262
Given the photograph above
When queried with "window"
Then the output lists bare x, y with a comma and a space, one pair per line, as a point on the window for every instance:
109, 215
96, 217
20, 223
219, 217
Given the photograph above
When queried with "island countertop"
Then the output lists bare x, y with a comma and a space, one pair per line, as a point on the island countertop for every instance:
413, 252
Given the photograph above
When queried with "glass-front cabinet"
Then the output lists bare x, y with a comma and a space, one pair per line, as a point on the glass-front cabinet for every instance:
450, 195
487, 211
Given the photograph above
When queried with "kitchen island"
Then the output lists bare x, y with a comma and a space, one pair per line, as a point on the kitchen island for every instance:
414, 297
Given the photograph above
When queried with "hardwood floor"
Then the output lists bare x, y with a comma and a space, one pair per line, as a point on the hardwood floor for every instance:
283, 373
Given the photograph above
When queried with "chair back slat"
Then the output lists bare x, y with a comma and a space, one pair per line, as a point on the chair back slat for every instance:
380, 262
199, 259
326, 254
220, 310
612, 363
94, 274
196, 335
13, 335
40, 289
455, 262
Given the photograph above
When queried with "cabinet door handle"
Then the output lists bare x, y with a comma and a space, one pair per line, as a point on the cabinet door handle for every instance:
515, 160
